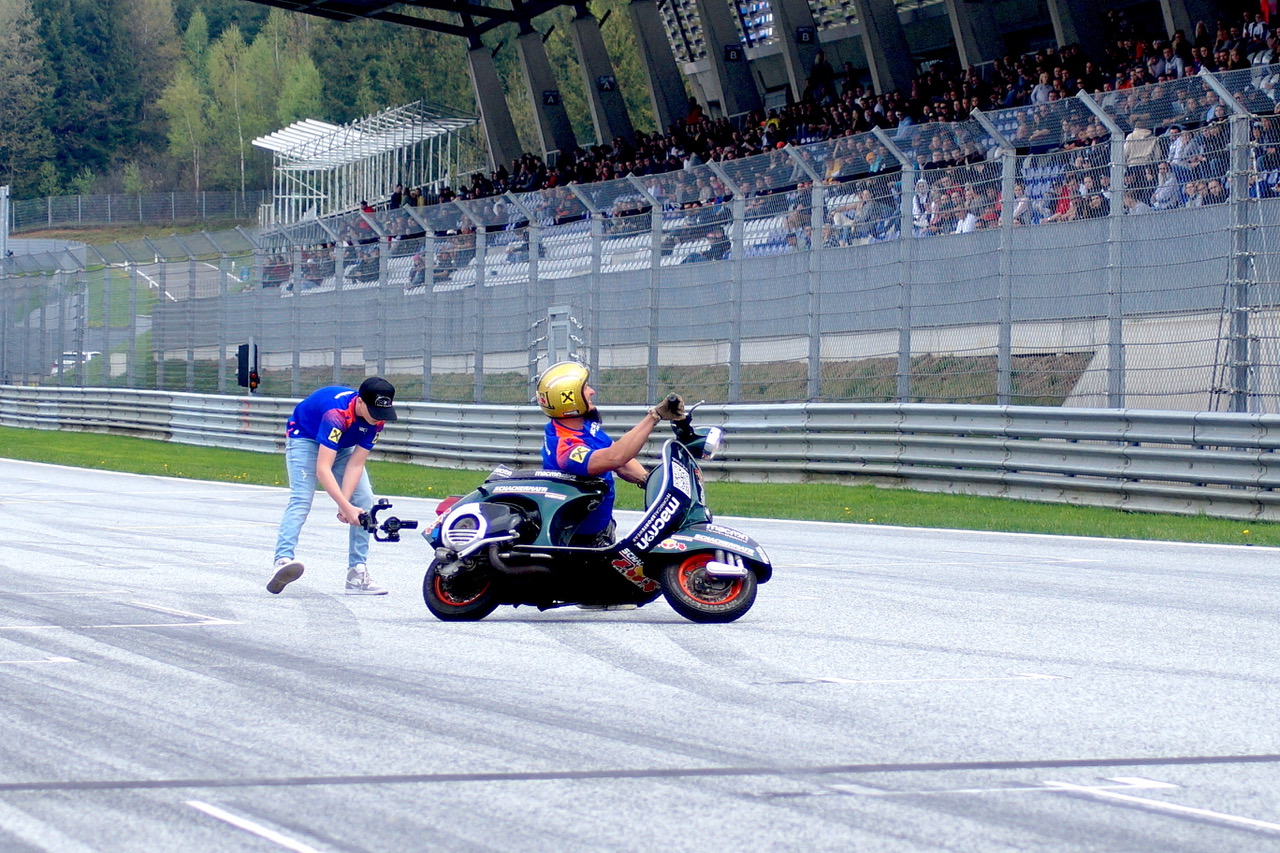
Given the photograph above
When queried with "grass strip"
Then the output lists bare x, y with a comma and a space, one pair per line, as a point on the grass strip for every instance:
863, 504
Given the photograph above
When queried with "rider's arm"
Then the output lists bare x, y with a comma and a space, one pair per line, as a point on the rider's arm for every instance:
633, 472
623, 451
347, 511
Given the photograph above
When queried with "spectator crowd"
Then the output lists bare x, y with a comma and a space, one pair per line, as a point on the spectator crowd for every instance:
1175, 156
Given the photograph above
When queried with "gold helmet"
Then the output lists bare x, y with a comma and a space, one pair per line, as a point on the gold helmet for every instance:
562, 390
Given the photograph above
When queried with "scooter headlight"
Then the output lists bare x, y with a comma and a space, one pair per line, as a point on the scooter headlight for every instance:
463, 526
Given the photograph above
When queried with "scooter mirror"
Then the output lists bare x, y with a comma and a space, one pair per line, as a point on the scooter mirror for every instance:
711, 445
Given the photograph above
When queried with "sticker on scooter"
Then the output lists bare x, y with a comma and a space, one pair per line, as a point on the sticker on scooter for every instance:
653, 528
727, 532
681, 481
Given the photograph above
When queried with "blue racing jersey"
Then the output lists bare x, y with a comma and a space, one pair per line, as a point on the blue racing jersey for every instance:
567, 449
328, 417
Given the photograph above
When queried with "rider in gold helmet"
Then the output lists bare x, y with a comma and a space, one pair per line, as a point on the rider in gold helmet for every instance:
576, 443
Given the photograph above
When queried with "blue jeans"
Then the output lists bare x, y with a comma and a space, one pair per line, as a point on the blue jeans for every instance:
300, 464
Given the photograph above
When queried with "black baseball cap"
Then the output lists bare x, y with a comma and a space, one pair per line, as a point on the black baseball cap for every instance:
379, 394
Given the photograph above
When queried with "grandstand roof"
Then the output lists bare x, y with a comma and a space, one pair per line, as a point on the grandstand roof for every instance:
477, 18
315, 145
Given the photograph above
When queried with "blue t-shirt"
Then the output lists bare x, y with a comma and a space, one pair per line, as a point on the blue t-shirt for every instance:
566, 449
328, 417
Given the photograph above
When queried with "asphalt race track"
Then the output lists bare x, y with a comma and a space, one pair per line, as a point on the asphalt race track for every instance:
892, 690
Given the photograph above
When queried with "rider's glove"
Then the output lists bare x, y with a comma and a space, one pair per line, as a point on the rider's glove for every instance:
670, 409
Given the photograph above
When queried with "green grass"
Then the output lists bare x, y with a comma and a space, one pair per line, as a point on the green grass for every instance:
816, 501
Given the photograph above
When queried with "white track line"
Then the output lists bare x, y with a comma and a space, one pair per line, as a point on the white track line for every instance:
42, 660
255, 828
1022, 677
1125, 783
202, 620
1163, 806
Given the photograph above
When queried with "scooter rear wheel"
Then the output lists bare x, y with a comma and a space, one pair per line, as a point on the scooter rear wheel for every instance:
460, 600
701, 597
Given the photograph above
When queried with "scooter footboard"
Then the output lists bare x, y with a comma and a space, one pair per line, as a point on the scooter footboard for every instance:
708, 537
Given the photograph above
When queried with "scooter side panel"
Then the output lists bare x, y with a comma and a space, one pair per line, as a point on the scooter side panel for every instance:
705, 537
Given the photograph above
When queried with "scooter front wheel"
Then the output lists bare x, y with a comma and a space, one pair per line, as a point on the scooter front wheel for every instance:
464, 599
701, 597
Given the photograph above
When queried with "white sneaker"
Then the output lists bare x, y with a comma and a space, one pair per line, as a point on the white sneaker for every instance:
288, 570
359, 582
608, 606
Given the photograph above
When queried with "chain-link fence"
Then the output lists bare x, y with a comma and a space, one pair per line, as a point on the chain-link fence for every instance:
73, 211
1094, 251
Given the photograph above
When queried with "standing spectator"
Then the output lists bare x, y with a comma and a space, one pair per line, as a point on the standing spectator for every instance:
329, 437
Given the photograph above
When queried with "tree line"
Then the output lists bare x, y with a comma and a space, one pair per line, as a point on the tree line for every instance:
157, 95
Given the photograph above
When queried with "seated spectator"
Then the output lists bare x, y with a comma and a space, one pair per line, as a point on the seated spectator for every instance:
1216, 193
1133, 204
418, 271
1168, 191
1194, 193
1095, 206
276, 272
1023, 210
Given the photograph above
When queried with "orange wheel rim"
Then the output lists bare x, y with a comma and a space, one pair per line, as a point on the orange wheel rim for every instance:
453, 600
692, 578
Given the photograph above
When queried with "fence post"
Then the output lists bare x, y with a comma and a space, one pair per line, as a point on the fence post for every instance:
481, 262
1115, 269
906, 253
815, 263
739, 209
591, 333
655, 275
1240, 353
1008, 175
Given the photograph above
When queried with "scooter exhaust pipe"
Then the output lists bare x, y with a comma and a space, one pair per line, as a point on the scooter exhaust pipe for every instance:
725, 566
495, 560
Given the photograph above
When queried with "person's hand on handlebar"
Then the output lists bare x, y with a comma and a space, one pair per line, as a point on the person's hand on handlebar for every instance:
670, 409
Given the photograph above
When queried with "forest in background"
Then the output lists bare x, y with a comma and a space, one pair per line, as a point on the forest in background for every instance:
156, 95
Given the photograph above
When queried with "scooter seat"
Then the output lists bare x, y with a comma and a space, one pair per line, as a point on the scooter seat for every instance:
585, 483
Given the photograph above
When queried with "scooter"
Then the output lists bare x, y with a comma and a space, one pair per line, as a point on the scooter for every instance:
510, 542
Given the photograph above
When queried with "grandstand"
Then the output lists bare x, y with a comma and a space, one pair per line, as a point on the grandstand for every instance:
1066, 250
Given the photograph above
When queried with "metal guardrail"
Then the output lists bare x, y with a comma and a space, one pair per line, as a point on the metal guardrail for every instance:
1218, 464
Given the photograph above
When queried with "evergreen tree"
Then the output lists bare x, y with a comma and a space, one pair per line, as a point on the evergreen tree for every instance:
25, 142
95, 107
153, 42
